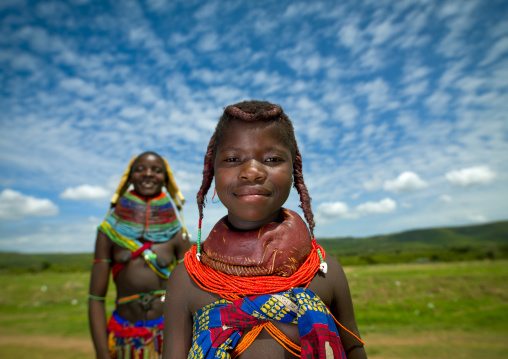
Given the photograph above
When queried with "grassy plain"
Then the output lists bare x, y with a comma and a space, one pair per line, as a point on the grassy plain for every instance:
452, 244
430, 310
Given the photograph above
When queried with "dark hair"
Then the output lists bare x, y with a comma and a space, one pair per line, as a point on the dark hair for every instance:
150, 153
257, 111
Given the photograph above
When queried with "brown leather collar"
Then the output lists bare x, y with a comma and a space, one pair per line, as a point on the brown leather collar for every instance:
274, 249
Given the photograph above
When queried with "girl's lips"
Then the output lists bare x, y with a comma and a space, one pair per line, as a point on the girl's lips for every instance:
251, 194
252, 197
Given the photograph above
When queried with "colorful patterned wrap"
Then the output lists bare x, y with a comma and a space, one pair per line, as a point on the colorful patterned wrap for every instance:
219, 326
134, 341
154, 220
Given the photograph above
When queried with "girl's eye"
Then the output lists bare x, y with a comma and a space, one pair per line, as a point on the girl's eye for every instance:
231, 159
274, 159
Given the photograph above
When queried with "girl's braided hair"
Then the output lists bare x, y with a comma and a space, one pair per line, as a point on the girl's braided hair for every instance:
257, 111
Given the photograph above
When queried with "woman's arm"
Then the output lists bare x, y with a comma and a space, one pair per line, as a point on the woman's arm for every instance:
177, 317
182, 245
98, 288
342, 309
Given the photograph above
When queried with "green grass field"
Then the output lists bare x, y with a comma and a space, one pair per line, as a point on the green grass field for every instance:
431, 310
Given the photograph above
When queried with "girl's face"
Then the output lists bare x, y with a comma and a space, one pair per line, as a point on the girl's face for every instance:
253, 173
148, 175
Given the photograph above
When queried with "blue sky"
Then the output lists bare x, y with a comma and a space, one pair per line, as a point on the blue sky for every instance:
400, 107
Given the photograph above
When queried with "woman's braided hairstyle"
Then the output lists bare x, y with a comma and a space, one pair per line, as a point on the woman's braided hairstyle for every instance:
257, 111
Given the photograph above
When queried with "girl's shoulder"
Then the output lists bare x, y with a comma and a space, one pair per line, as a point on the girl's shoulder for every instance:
327, 285
195, 296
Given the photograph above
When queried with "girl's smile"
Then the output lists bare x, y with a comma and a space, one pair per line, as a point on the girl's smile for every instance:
253, 173
251, 194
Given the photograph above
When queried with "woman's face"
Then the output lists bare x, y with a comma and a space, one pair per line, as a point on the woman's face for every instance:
253, 173
148, 175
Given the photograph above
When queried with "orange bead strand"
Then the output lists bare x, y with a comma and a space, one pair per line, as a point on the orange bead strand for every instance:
232, 287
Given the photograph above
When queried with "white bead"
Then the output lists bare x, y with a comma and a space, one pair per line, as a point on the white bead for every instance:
323, 267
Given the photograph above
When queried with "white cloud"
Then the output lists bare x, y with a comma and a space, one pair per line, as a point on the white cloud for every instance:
382, 32
416, 88
406, 182
24, 62
4, 4
407, 121
348, 138
133, 112
350, 36
265, 26
148, 95
333, 210
347, 113
157, 5
209, 42
406, 205
372, 59
304, 58
386, 205
449, 9
378, 94
178, 38
471, 176
477, 218
80, 2
78, 86
208, 10
372, 185
39, 39
445, 198
438, 102
86, 192
368, 131
497, 51
295, 10
415, 72
15, 206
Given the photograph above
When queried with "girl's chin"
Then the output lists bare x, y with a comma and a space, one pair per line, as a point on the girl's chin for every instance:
251, 221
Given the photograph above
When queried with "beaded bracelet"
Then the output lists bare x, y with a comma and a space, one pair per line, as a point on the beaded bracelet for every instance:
91, 296
102, 260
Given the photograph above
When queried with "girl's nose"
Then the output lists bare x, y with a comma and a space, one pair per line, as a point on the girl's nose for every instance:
252, 171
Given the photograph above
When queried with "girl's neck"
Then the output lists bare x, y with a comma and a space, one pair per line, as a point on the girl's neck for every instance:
241, 225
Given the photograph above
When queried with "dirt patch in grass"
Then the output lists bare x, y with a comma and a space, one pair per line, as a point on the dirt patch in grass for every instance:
436, 345
393, 346
48, 341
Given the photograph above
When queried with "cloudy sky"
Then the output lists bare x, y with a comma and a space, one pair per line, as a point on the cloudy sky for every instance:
400, 107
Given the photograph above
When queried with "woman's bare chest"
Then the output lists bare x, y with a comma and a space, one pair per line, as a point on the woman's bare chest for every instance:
164, 254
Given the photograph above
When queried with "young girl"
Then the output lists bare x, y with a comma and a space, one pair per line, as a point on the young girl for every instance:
259, 286
138, 241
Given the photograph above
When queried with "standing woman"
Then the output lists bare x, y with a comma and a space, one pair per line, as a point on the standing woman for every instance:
140, 239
